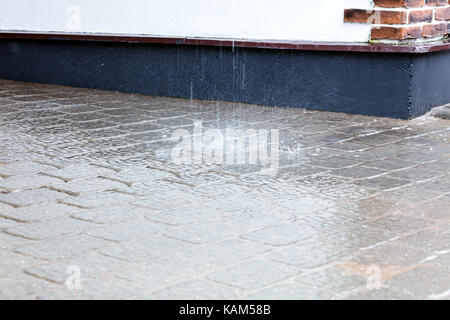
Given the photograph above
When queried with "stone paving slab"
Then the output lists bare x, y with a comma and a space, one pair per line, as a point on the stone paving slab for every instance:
111, 195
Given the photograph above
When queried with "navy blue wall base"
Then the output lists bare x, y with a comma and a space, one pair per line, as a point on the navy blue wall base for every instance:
401, 85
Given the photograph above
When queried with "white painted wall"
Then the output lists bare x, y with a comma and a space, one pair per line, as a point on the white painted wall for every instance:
308, 20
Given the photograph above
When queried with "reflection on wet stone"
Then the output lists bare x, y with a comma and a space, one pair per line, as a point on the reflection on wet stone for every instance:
169, 198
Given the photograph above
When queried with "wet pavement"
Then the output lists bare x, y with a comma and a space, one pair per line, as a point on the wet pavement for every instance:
99, 198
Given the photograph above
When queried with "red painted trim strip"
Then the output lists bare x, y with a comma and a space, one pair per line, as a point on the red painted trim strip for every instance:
263, 44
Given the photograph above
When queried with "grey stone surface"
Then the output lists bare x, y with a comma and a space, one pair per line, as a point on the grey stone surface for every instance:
205, 232
97, 200
87, 179
29, 197
390, 255
11, 262
430, 241
21, 287
185, 216
290, 291
255, 274
127, 230
442, 260
85, 186
30, 181
62, 248
333, 279
49, 228
441, 112
195, 290
309, 254
146, 250
90, 265
6, 223
400, 224
281, 235
427, 282
22, 167
383, 294
227, 252
164, 273
38, 213
110, 288
78, 171
112, 214
358, 237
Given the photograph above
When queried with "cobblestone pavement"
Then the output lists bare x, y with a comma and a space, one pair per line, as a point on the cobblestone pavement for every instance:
359, 208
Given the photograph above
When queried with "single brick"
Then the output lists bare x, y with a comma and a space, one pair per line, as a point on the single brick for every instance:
83, 186
436, 2
443, 14
29, 181
49, 228
29, 197
421, 16
378, 17
78, 171
62, 247
255, 274
397, 33
433, 30
38, 212
22, 168
399, 3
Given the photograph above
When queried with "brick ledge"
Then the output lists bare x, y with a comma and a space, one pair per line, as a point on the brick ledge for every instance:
244, 43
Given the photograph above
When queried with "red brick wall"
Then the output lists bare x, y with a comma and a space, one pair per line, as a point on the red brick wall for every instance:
404, 20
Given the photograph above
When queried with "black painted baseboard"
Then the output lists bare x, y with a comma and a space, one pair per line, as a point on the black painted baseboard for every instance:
400, 85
